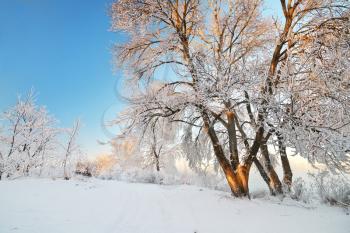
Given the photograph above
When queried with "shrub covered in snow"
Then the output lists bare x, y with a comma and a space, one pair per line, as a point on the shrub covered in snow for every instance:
300, 191
322, 187
332, 189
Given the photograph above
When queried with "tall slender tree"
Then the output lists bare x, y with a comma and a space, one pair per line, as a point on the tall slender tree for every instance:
71, 147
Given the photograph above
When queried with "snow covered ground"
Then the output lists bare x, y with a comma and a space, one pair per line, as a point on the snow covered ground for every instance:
97, 206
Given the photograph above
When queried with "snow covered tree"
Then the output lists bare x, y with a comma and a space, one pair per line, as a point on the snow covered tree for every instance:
30, 133
243, 80
146, 147
71, 147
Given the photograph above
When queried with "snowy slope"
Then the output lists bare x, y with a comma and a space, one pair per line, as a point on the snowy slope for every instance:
96, 206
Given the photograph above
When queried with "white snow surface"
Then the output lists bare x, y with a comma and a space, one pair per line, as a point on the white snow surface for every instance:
101, 206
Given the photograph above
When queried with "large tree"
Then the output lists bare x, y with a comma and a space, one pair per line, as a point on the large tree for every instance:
243, 80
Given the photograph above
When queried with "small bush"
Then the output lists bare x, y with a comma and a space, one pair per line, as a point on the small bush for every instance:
332, 189
300, 192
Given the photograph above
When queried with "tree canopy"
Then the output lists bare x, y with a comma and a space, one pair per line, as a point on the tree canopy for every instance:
252, 86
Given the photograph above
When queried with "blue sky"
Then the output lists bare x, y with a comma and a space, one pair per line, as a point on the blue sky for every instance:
62, 48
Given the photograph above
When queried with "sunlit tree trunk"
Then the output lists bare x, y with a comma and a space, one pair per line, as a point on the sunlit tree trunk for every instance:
243, 178
244, 173
232, 179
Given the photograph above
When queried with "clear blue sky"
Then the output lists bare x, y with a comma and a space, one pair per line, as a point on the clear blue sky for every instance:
62, 48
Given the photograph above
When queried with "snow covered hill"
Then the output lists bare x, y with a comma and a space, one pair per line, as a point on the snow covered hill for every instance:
96, 206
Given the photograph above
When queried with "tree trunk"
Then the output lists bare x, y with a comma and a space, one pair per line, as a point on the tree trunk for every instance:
235, 184
246, 144
26, 172
275, 183
232, 139
243, 178
244, 168
156, 156
157, 165
231, 177
263, 174
287, 171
